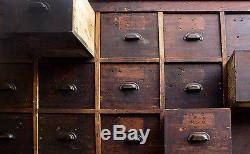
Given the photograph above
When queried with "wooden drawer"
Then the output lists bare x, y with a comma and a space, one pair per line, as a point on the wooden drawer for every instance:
154, 142
237, 33
129, 35
238, 69
16, 134
193, 85
193, 131
51, 27
192, 36
130, 86
64, 134
66, 85
16, 85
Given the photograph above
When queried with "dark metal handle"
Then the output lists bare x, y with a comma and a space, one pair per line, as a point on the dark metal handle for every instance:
68, 88
66, 136
137, 141
198, 137
129, 86
39, 6
193, 37
8, 87
193, 87
7, 137
132, 36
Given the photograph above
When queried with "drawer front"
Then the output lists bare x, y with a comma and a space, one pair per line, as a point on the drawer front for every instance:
53, 15
66, 85
195, 131
129, 35
16, 85
193, 85
64, 134
130, 86
237, 32
191, 36
153, 144
16, 135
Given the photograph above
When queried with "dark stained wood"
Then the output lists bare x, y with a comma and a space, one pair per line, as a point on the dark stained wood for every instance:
239, 79
240, 129
19, 125
50, 27
154, 144
53, 77
179, 123
181, 5
50, 125
16, 84
237, 32
146, 76
114, 27
179, 75
176, 26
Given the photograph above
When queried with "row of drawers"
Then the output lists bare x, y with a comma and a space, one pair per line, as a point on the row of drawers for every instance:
69, 133
123, 86
186, 36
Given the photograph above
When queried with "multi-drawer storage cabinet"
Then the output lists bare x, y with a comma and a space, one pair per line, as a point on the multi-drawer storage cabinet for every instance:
158, 65
50, 27
239, 79
195, 131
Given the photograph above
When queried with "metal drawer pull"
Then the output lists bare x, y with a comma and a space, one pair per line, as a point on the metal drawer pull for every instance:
193, 37
193, 87
129, 86
68, 88
7, 137
8, 87
66, 136
198, 137
39, 6
137, 141
132, 37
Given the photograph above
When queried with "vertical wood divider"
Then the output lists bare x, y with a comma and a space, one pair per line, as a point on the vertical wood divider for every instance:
223, 54
35, 105
162, 63
97, 84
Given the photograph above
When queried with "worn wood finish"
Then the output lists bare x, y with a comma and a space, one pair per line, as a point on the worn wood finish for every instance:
20, 126
238, 79
56, 33
178, 76
16, 85
176, 26
237, 32
180, 123
172, 6
154, 144
35, 105
52, 128
55, 80
114, 28
114, 76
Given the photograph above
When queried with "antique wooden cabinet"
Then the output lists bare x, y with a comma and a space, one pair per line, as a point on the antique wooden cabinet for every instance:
49, 27
150, 56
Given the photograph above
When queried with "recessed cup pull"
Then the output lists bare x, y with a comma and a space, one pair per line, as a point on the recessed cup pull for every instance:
7, 87
66, 136
39, 7
67, 88
193, 37
132, 37
129, 86
193, 87
195, 137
